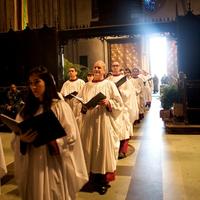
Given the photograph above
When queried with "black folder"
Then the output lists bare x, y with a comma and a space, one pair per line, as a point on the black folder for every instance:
93, 102
46, 125
121, 81
71, 95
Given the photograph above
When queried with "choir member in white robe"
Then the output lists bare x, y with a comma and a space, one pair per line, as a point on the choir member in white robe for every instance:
139, 86
147, 79
74, 84
99, 130
57, 170
134, 109
126, 125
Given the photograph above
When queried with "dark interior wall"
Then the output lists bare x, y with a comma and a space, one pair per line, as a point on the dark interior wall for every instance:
188, 32
116, 11
21, 51
10, 59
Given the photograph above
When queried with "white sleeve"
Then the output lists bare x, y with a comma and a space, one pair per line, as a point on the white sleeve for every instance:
66, 117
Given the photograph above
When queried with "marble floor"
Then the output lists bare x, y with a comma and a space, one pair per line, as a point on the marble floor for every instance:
162, 166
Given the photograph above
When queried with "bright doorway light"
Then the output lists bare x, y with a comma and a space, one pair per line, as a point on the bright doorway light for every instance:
158, 55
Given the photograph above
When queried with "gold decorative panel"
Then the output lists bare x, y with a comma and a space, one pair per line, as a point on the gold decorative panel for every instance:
172, 68
127, 54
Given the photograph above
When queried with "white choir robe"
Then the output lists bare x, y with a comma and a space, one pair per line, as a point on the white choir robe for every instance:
41, 176
139, 87
133, 103
150, 87
99, 130
3, 168
69, 87
128, 109
147, 87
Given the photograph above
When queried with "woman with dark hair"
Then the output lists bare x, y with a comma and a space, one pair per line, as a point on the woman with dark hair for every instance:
51, 171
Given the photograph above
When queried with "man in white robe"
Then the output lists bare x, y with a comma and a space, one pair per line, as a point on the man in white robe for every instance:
133, 98
124, 121
74, 84
139, 86
147, 79
99, 130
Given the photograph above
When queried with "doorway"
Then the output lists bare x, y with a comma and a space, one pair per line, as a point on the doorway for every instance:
163, 59
158, 55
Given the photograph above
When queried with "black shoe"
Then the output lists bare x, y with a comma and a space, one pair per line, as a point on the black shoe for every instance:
102, 189
136, 122
88, 187
141, 116
121, 155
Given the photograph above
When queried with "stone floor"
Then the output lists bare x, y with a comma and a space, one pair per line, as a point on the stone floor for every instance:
162, 167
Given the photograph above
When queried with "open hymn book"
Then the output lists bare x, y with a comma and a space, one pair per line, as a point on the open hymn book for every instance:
46, 125
93, 101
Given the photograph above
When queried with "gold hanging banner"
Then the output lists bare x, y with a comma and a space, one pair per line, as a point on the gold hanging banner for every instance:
24, 14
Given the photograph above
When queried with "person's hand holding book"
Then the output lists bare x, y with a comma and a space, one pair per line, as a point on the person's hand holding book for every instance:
104, 102
84, 109
29, 136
